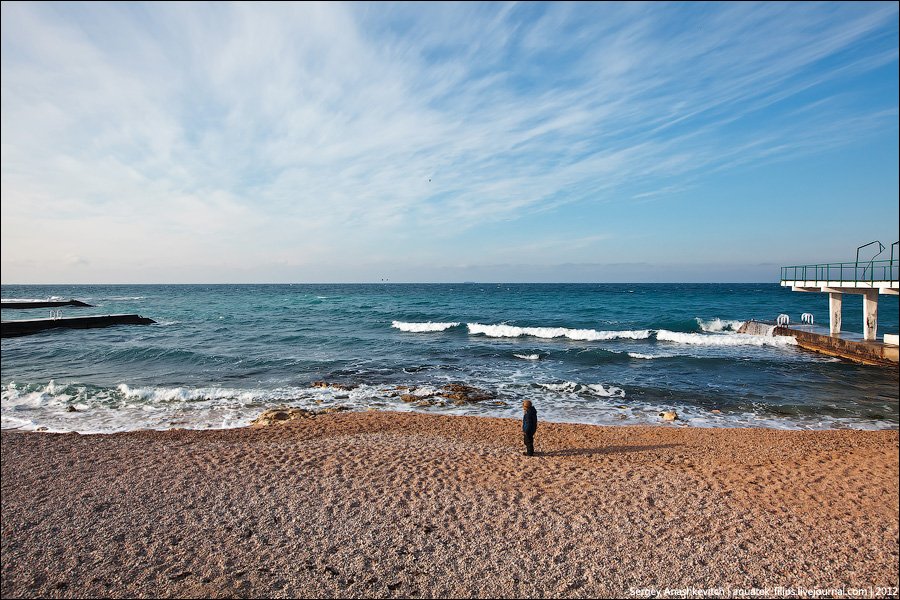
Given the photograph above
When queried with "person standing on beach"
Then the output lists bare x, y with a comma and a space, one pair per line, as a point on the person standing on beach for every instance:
529, 426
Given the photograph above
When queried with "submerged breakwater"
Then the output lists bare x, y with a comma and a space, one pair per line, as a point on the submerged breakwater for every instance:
589, 353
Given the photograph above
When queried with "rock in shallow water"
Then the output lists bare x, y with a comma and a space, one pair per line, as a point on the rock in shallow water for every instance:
460, 393
337, 386
465, 393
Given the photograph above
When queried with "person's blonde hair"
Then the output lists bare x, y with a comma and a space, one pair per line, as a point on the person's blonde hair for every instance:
527, 403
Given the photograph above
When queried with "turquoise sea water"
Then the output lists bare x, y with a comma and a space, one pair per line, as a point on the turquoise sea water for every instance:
588, 353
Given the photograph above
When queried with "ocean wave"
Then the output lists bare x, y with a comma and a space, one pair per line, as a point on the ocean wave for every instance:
717, 324
528, 356
166, 395
718, 339
555, 332
643, 356
422, 327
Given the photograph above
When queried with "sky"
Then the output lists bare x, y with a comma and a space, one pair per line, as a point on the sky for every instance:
428, 142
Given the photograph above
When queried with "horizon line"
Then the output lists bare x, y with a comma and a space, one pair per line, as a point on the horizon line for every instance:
416, 283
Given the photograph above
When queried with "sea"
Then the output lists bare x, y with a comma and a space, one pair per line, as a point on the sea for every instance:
609, 354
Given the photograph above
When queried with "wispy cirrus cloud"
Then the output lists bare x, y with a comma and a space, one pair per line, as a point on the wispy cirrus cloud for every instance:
244, 134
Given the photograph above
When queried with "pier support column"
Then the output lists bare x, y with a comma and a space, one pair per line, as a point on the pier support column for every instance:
870, 315
834, 309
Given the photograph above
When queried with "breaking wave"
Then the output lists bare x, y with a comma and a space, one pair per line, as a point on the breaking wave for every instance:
717, 324
735, 339
422, 327
555, 332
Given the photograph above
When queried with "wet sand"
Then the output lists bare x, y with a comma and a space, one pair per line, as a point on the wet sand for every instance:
383, 504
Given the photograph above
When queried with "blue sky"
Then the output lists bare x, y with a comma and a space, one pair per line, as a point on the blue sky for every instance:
155, 143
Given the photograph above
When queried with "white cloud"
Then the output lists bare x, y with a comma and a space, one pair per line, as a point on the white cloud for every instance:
246, 134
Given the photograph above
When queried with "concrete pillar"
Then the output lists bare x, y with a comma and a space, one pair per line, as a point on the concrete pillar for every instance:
870, 315
834, 309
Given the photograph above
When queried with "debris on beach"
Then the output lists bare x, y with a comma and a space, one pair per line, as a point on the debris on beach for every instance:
668, 415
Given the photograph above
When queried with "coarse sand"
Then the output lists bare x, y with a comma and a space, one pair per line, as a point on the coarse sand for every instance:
408, 505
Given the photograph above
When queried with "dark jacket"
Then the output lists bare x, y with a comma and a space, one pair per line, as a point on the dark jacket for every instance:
529, 421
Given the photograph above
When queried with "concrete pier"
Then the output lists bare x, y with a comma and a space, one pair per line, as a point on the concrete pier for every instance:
41, 303
835, 296
27, 327
869, 279
865, 352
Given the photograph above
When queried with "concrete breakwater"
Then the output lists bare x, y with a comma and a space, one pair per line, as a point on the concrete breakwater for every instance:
27, 327
41, 303
866, 352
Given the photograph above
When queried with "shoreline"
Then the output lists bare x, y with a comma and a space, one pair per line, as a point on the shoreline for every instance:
615, 416
403, 504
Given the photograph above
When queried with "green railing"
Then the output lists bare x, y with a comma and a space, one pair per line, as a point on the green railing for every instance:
850, 272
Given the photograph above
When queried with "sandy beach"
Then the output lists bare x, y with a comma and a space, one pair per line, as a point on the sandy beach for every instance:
381, 504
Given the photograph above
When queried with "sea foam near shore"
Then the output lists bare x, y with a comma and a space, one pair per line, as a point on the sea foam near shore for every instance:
72, 407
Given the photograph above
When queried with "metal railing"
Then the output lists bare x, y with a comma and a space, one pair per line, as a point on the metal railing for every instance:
849, 272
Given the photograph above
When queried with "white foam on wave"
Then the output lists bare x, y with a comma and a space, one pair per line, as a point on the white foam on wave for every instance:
127, 408
528, 356
166, 395
555, 332
594, 389
719, 339
50, 394
643, 356
424, 391
717, 324
422, 327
